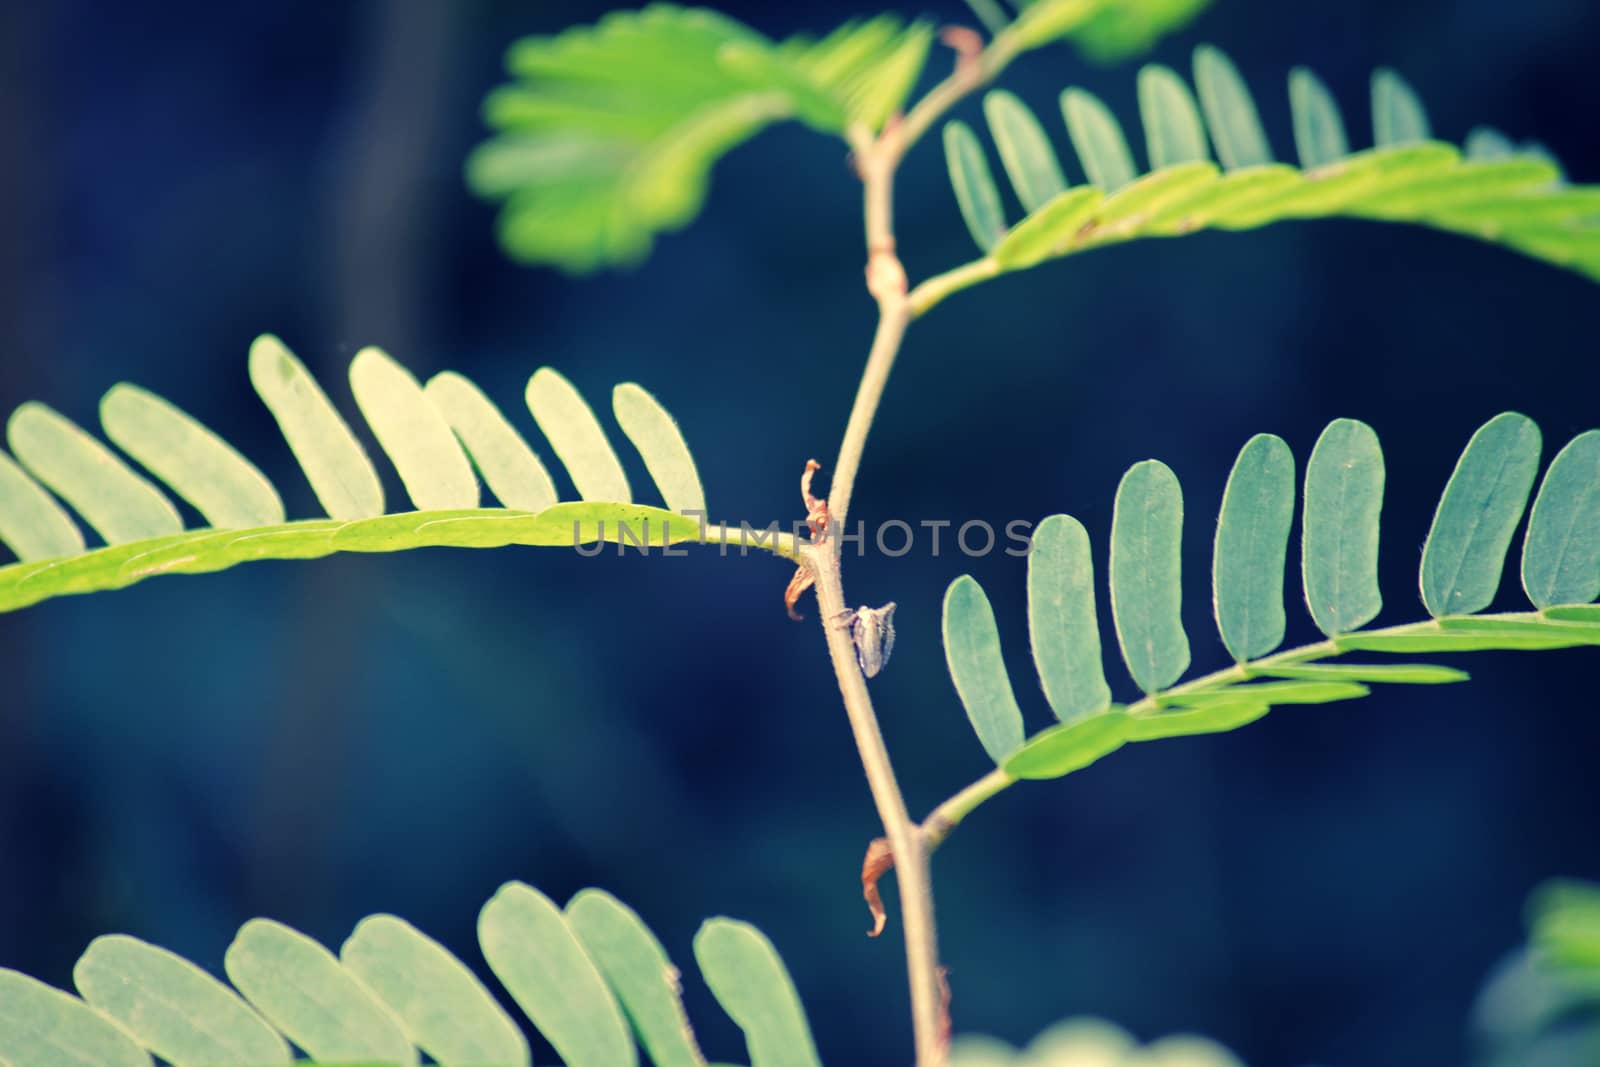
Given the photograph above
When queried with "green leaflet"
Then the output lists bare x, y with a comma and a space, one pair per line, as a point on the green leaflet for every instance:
1146, 591
1231, 112
1561, 552
1477, 516
1197, 720
1104, 30
413, 432
1071, 746
1268, 693
443, 1008
1251, 546
744, 971
44, 1027
334, 462
1495, 192
1098, 140
512, 471
32, 524
1061, 619
972, 649
1025, 151
1343, 501
575, 434
172, 1007
394, 987
1493, 637
666, 455
1319, 135
639, 972
303, 991
1397, 114
538, 958
1172, 127
974, 186
227, 489
120, 505
1393, 673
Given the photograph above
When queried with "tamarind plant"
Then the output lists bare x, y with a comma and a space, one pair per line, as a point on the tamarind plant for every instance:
603, 139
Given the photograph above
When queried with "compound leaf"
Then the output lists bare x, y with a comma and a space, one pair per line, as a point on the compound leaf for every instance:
1495, 190
424, 432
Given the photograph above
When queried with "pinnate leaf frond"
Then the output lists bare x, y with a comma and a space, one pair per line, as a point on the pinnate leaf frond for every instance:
441, 437
607, 134
591, 977
1463, 560
1491, 189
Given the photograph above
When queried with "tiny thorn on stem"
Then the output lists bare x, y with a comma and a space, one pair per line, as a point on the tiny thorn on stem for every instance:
878, 861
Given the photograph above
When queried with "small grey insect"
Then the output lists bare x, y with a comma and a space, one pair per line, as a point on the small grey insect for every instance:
872, 629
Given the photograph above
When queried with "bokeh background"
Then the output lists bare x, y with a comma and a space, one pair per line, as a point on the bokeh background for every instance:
318, 741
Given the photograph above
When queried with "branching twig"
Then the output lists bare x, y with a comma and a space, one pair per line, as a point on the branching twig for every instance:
876, 160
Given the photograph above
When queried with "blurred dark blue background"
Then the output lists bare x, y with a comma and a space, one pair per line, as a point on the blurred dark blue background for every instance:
317, 741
